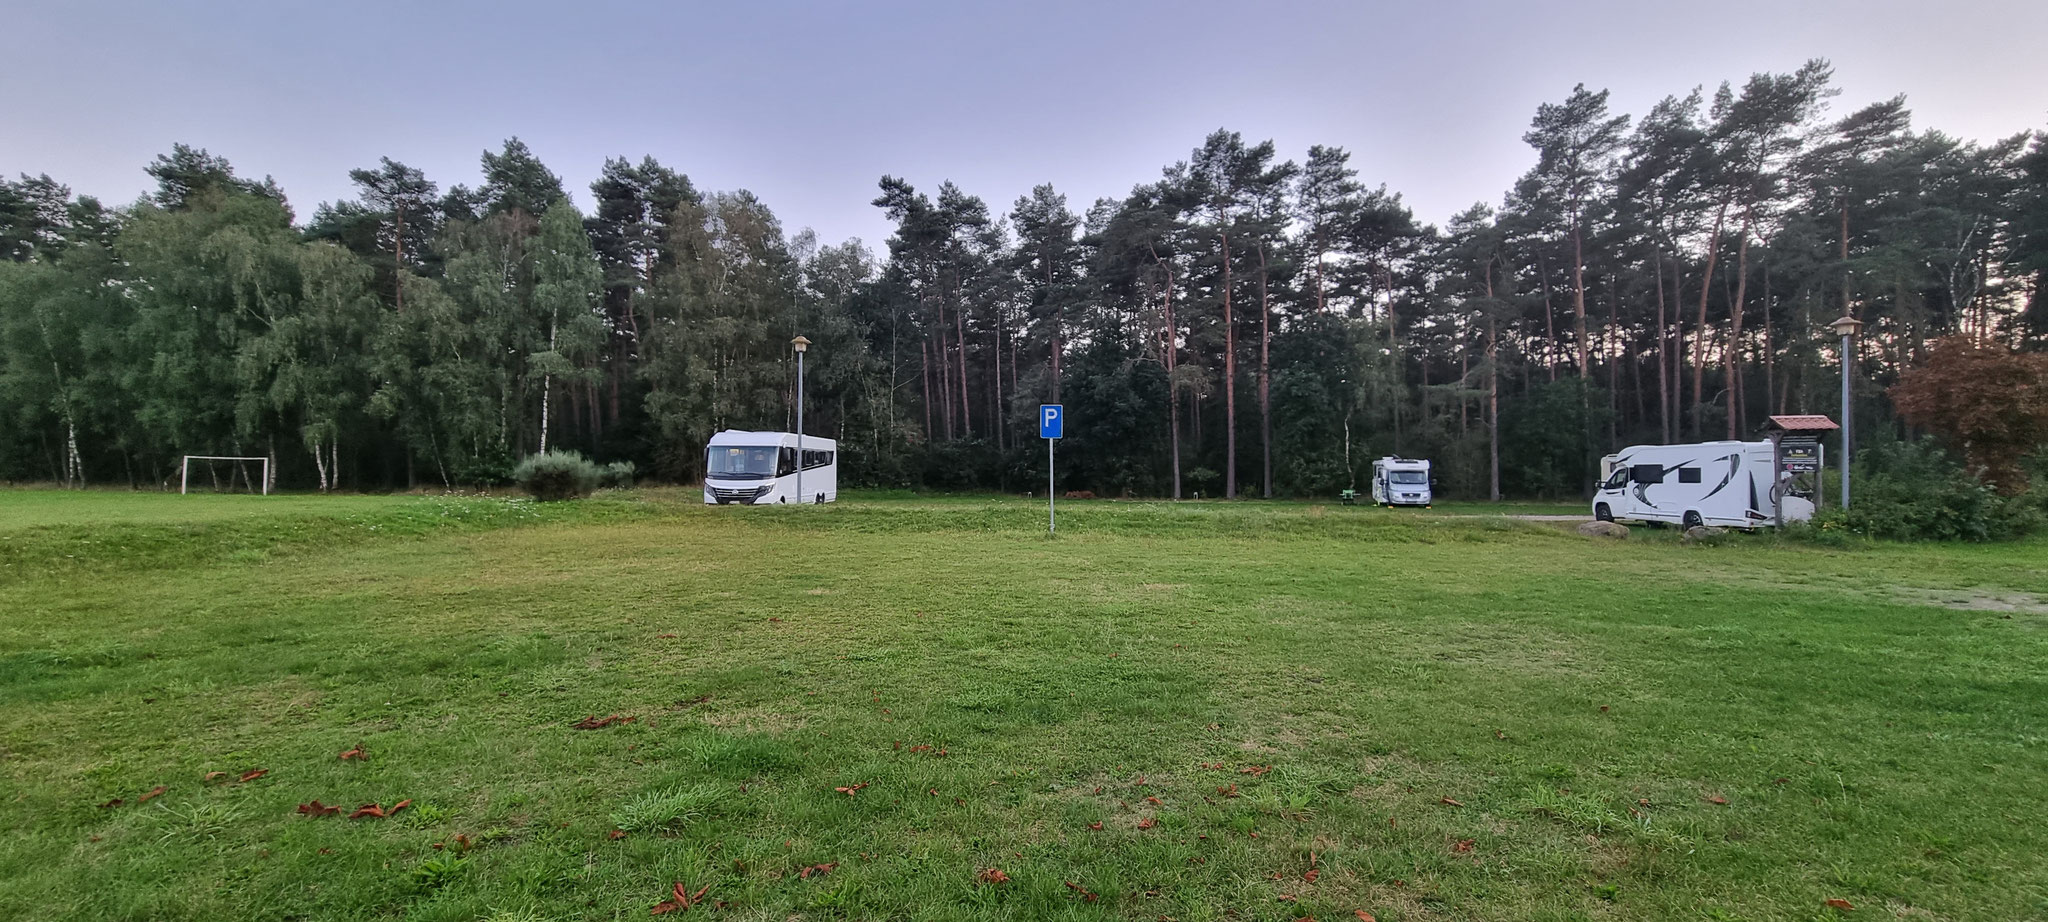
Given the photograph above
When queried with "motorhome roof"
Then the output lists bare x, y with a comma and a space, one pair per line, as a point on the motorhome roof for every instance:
744, 437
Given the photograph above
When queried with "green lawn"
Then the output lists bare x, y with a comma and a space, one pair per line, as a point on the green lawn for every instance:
1432, 716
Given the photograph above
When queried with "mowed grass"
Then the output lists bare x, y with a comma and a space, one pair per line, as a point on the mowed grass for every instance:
1196, 712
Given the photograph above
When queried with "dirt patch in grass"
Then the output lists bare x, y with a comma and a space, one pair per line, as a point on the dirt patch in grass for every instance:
1973, 599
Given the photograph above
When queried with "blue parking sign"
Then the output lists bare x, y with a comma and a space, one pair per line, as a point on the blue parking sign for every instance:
1050, 419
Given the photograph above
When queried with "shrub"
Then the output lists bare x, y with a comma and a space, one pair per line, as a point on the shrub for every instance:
557, 475
617, 475
1915, 492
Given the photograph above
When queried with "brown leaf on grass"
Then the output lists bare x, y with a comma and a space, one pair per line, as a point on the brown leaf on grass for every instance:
462, 842
1085, 895
776, 620
1311, 874
253, 774
1717, 799
664, 637
684, 899
992, 876
368, 810
1154, 801
1095, 826
1284, 897
112, 803
1451, 803
1464, 845
316, 808
594, 722
401, 805
1841, 904
1782, 781
151, 794
816, 870
616, 834
1255, 770
1364, 916
1228, 790
213, 776
356, 753
849, 790
1147, 823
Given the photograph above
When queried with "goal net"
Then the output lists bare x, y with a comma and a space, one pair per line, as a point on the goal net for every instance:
224, 474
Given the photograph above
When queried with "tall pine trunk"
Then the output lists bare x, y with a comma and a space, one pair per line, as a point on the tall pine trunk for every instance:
1663, 361
1265, 375
1229, 382
1732, 360
1579, 302
1699, 334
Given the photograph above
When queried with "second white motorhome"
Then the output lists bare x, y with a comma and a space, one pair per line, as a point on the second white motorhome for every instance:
1401, 482
1727, 484
760, 469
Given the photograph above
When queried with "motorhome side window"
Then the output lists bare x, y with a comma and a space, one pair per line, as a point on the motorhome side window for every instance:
1618, 480
816, 459
1688, 475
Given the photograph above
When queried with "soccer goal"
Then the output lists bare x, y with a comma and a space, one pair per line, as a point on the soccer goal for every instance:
212, 472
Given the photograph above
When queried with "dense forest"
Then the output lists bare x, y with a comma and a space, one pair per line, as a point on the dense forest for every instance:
1239, 324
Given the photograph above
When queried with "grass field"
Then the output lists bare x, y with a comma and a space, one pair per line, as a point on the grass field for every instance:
1197, 712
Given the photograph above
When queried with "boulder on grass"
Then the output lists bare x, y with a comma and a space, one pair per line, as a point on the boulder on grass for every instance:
1703, 533
1604, 530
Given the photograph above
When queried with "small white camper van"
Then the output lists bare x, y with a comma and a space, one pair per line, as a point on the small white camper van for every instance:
1727, 484
1400, 482
760, 469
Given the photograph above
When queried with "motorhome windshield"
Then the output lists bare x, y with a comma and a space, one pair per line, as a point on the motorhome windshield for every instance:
746, 462
1407, 477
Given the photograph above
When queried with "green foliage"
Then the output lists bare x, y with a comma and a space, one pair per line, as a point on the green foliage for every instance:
1913, 491
669, 809
617, 475
557, 475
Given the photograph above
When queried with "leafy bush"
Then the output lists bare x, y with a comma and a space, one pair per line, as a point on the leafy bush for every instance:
617, 475
1915, 492
557, 475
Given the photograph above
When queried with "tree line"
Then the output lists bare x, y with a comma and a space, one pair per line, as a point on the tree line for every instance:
1240, 324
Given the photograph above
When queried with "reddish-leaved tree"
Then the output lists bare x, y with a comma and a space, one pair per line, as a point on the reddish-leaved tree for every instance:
1990, 401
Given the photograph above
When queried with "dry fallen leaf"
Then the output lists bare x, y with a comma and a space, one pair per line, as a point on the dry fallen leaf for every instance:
214, 776
1229, 790
1718, 799
664, 637
684, 899
1255, 770
616, 834
316, 808
849, 791
1311, 874
993, 876
1364, 916
1451, 803
1464, 845
368, 810
401, 805
1841, 904
594, 722
1077, 888
1147, 823
817, 870
1154, 801
153, 794
356, 753
112, 803
254, 774
1095, 826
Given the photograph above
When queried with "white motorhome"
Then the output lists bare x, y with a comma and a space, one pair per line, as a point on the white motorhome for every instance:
1727, 484
1401, 482
760, 469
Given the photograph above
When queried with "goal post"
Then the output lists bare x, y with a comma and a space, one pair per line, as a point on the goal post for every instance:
185, 470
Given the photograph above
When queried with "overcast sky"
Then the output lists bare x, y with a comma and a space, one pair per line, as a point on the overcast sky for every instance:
807, 105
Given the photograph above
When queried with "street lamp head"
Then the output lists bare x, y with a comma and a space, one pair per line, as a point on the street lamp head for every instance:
800, 343
1846, 326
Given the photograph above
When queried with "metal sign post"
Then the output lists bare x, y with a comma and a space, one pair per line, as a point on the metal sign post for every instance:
1051, 420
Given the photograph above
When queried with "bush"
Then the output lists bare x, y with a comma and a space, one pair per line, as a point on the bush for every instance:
1915, 492
557, 475
617, 475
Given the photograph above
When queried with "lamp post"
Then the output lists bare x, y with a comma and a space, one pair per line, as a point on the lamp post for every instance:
1846, 327
801, 344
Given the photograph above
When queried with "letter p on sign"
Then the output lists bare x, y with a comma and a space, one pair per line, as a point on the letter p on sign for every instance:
1050, 418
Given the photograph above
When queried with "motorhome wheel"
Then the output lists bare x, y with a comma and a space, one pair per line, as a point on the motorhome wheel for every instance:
1692, 519
1603, 513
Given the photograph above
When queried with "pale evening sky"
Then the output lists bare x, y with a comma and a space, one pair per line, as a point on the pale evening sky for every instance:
807, 105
